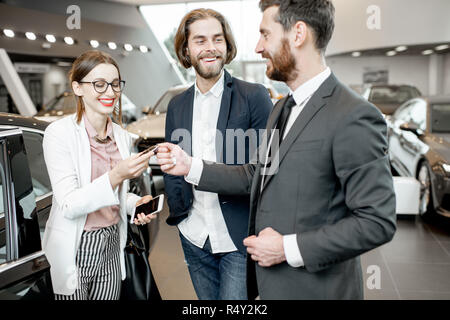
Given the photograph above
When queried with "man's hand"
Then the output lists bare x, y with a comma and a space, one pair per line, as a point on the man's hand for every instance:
173, 160
141, 217
267, 248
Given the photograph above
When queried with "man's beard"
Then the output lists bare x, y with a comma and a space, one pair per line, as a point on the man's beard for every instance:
283, 64
208, 73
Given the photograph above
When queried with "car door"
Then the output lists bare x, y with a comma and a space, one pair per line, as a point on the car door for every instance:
24, 269
39, 176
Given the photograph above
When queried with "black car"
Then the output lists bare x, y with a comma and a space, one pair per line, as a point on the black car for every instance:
419, 146
388, 97
25, 202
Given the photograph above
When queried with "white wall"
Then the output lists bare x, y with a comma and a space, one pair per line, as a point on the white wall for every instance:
406, 22
54, 82
413, 70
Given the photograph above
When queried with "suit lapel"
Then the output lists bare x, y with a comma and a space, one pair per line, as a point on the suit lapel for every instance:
84, 151
317, 101
224, 112
187, 116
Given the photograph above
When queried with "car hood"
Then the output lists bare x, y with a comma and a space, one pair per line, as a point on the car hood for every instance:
151, 126
440, 142
52, 115
387, 108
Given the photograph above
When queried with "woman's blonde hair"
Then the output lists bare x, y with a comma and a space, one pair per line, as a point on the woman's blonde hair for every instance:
81, 67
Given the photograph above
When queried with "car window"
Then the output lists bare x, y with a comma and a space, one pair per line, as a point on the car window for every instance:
38, 169
2, 222
440, 117
391, 94
163, 102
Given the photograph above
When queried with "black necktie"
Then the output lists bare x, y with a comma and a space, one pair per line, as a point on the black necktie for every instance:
283, 119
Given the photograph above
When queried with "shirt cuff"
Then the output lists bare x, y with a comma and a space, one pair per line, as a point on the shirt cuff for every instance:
195, 173
292, 252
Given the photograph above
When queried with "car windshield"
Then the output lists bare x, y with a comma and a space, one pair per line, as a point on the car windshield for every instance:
440, 117
163, 102
395, 95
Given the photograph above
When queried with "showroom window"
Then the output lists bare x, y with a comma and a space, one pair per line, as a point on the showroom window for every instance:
38, 169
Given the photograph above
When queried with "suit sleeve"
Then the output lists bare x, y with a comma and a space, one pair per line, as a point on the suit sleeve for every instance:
363, 171
227, 180
176, 188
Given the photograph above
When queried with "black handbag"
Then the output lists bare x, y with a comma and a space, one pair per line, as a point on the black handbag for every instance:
139, 283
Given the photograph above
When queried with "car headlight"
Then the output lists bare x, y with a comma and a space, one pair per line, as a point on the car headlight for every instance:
446, 167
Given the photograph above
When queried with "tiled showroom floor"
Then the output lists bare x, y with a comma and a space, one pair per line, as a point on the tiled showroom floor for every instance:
414, 265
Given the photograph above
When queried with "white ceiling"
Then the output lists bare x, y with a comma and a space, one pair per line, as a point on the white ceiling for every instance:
144, 2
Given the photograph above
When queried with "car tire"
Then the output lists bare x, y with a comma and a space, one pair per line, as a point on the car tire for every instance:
426, 199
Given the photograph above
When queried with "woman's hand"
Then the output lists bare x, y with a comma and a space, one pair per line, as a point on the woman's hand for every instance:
129, 168
141, 217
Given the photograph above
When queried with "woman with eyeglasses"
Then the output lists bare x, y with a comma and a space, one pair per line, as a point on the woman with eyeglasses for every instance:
89, 164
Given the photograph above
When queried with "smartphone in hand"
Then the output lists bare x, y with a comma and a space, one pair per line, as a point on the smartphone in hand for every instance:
154, 206
153, 149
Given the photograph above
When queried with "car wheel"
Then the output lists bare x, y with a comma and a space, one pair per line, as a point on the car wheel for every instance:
425, 201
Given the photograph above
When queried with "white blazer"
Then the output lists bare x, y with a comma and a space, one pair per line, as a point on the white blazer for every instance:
67, 155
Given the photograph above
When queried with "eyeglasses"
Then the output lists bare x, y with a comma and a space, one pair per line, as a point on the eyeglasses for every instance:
101, 85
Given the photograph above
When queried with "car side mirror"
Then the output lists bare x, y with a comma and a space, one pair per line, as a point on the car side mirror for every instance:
411, 127
147, 110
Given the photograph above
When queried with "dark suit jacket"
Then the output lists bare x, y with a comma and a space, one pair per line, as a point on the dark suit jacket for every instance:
244, 105
333, 189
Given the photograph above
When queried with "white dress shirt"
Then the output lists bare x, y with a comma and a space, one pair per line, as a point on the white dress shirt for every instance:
206, 218
301, 97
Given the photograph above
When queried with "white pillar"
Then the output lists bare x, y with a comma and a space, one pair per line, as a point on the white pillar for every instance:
15, 86
436, 75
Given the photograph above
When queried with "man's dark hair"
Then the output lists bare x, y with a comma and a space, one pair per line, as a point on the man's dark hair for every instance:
317, 14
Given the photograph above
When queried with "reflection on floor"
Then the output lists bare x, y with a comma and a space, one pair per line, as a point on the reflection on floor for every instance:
414, 265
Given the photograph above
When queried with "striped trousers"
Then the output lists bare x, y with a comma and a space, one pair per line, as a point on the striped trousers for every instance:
98, 263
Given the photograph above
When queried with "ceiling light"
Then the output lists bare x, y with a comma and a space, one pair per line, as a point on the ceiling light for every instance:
128, 47
69, 41
143, 49
50, 38
356, 54
112, 45
30, 35
391, 53
427, 52
401, 48
442, 47
94, 43
64, 64
9, 33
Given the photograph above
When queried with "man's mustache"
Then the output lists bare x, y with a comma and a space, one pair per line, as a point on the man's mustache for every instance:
202, 56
